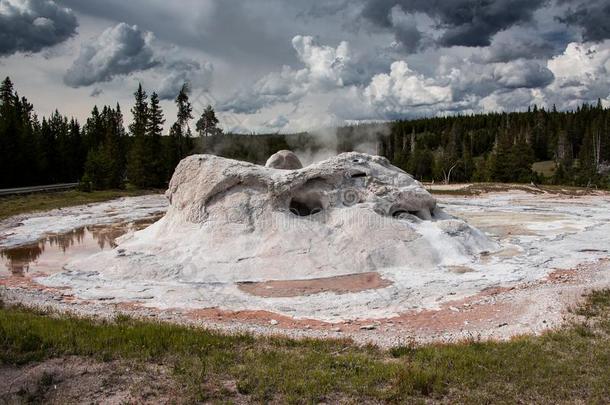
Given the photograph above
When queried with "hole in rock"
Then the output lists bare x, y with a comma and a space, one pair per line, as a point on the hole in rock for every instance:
398, 213
356, 175
305, 206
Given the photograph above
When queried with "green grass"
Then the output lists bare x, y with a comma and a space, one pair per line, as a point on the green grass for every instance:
22, 204
568, 365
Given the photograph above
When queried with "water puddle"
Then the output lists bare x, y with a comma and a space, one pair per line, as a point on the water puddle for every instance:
49, 255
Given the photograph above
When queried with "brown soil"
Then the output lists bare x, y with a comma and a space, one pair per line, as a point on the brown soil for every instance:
293, 288
70, 380
258, 317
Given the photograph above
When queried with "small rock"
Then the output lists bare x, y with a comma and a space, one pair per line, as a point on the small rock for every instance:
454, 309
368, 327
273, 322
502, 325
336, 329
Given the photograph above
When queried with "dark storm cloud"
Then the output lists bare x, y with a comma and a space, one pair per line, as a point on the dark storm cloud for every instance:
349, 59
177, 70
31, 25
519, 43
406, 33
239, 31
323, 8
123, 49
593, 17
119, 50
533, 48
464, 22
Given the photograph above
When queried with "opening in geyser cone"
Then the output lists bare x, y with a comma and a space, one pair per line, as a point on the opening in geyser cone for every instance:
304, 207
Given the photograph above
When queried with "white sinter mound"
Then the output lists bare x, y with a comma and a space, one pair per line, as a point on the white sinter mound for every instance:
232, 222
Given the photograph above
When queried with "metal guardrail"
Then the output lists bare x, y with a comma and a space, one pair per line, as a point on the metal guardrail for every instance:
35, 189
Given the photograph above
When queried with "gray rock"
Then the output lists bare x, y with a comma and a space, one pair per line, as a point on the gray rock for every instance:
231, 221
284, 159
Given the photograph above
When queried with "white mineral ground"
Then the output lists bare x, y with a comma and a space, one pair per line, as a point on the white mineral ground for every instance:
375, 252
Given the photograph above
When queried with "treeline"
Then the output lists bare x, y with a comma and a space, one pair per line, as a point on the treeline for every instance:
101, 154
573, 147
503, 147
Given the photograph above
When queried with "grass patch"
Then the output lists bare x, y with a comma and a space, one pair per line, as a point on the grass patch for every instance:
569, 365
545, 168
22, 204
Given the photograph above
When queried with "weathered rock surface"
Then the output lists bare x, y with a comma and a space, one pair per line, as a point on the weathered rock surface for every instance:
284, 159
232, 222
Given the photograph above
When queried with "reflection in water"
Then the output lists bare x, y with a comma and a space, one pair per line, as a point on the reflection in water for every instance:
19, 258
51, 253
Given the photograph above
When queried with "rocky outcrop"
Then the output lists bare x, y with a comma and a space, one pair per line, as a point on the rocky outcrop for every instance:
284, 159
230, 223
205, 185
235, 221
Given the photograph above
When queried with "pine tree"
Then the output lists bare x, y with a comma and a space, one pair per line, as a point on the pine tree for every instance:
207, 125
8, 129
49, 156
105, 165
154, 131
501, 164
7, 93
140, 113
180, 143
76, 152
139, 165
94, 130
521, 160
185, 110
29, 171
185, 114
62, 157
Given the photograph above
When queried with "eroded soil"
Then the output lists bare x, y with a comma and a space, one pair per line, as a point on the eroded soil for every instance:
339, 285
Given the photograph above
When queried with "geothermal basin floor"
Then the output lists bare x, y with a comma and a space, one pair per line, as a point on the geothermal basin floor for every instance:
554, 249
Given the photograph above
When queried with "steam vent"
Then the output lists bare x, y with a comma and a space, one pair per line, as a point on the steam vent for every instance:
232, 225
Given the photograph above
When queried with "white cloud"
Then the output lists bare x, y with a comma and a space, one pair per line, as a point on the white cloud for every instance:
582, 73
582, 62
325, 68
405, 88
